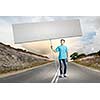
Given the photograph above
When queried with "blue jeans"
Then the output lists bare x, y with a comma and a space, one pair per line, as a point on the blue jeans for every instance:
65, 66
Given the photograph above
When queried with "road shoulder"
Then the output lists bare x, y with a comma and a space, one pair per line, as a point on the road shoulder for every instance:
24, 70
82, 66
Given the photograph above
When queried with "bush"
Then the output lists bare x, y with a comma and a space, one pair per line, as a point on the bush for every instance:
74, 56
98, 52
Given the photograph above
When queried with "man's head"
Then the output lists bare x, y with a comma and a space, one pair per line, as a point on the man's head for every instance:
62, 41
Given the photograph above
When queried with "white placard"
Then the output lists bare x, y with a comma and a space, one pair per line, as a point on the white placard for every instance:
38, 31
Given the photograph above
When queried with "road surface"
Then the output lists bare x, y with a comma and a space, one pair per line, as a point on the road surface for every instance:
43, 74
47, 73
78, 74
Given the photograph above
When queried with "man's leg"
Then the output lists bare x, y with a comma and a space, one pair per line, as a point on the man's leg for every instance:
60, 66
65, 65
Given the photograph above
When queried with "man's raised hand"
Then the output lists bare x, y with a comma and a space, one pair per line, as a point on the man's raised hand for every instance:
51, 47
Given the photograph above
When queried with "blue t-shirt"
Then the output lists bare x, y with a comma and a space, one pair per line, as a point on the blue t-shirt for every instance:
62, 51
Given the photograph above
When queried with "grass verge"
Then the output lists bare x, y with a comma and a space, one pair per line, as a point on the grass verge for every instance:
22, 69
89, 65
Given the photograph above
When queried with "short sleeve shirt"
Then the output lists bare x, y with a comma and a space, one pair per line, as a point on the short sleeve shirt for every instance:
62, 51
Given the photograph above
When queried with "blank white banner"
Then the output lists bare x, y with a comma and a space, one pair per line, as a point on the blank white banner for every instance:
38, 31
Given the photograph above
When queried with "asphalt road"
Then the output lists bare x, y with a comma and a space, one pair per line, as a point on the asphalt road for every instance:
46, 73
78, 74
43, 74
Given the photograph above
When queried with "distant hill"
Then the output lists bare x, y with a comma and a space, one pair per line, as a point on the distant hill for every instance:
91, 60
76, 55
12, 59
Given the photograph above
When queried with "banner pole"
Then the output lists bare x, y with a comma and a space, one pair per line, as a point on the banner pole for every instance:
56, 65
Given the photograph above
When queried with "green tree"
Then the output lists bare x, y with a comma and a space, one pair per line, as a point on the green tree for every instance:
98, 52
74, 56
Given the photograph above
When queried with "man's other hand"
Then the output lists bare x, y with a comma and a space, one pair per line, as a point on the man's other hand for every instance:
66, 59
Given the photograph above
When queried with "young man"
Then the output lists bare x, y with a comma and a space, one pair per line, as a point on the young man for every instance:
63, 57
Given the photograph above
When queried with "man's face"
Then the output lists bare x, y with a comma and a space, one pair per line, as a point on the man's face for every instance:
62, 42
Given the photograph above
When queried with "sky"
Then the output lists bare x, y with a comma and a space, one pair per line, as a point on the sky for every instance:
89, 42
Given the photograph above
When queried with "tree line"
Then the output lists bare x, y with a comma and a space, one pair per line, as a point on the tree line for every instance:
76, 55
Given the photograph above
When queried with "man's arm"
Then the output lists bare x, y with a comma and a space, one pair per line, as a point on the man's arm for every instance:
67, 54
67, 57
53, 49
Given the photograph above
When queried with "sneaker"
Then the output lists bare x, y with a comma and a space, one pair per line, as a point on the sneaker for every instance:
65, 75
60, 76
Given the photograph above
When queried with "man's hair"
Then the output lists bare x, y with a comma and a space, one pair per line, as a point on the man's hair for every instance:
62, 40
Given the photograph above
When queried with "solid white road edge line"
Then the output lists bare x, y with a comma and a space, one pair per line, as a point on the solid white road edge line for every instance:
83, 66
24, 70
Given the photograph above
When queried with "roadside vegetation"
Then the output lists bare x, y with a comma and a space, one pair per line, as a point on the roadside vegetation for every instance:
91, 60
15, 59
18, 68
